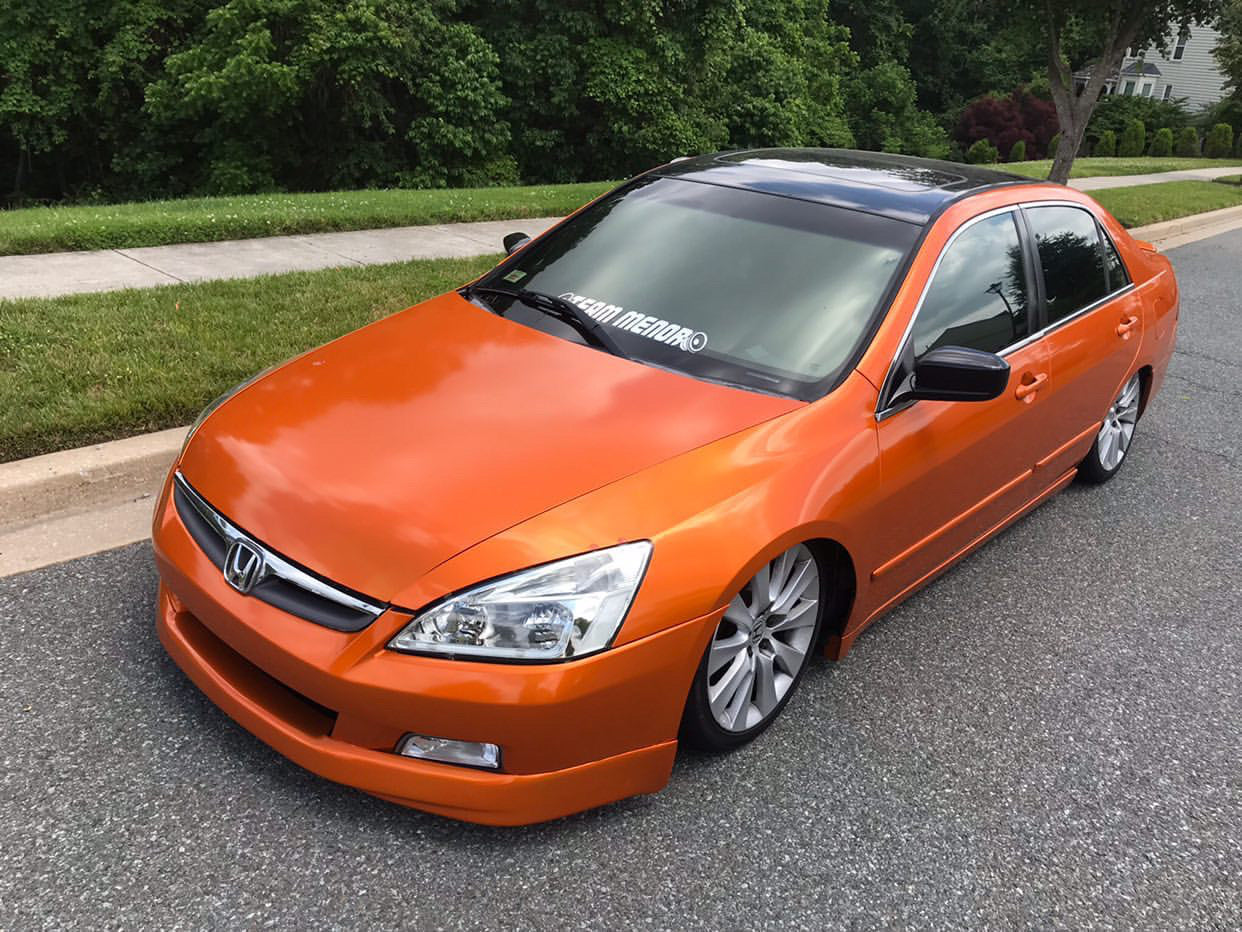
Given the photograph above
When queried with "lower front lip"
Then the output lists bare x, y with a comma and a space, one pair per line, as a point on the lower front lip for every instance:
572, 735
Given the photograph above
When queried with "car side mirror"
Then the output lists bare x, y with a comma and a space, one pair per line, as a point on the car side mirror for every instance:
956, 373
515, 241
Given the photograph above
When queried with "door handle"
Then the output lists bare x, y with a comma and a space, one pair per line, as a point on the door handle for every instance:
1124, 328
1026, 390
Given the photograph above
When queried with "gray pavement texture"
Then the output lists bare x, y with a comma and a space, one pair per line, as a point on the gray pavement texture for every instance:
1049, 736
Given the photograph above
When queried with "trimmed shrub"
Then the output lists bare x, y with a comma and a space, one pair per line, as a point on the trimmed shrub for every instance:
1018, 152
1219, 142
982, 153
1106, 145
1053, 144
1187, 143
1133, 140
1162, 144
1115, 111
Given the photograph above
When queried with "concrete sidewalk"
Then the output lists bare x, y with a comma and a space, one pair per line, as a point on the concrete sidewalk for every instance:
1125, 181
60, 273
63, 273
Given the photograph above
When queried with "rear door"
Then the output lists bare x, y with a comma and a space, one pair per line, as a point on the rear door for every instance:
1092, 319
952, 470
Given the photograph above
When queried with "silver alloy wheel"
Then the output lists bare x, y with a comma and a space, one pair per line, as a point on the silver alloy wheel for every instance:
1113, 440
763, 640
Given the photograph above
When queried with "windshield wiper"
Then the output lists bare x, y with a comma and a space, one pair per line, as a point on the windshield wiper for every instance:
590, 330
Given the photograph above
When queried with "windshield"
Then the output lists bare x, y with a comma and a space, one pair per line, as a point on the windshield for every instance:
759, 290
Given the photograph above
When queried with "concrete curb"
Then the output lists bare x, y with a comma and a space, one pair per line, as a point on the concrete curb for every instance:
73, 480
1172, 233
61, 506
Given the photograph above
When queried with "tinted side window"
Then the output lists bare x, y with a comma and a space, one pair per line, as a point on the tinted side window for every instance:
979, 295
1117, 275
1071, 258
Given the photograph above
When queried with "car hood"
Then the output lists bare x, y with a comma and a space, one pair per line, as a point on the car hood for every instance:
377, 457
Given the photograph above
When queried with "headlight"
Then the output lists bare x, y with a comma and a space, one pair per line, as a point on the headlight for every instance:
569, 608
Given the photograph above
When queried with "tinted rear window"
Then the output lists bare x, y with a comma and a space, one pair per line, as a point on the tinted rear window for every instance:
1071, 258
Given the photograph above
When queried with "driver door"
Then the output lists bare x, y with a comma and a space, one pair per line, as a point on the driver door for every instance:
952, 471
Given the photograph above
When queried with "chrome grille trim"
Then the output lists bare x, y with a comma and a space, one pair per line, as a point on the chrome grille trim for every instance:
274, 565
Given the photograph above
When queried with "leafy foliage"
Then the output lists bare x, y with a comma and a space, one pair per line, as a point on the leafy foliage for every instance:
1187, 143
1115, 112
1018, 152
982, 153
1219, 142
1162, 143
1228, 49
1106, 145
139, 98
1004, 121
1133, 140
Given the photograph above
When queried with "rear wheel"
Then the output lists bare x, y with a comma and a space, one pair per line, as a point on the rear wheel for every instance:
758, 653
1112, 443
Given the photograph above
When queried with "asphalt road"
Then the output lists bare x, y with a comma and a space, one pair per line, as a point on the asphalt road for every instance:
1051, 736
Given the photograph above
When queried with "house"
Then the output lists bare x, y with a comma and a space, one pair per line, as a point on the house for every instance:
1187, 71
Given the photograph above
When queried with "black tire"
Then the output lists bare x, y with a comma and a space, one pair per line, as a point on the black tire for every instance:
699, 726
1111, 446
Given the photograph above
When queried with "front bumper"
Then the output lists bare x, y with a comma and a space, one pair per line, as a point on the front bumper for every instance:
573, 735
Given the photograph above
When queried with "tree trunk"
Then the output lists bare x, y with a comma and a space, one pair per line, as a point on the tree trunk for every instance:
1074, 109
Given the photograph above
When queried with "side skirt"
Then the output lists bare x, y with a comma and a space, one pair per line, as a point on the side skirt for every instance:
839, 645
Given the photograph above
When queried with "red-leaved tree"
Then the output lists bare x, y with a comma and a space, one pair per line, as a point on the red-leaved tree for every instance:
1006, 120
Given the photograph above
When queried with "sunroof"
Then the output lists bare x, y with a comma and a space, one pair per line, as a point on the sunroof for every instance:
872, 168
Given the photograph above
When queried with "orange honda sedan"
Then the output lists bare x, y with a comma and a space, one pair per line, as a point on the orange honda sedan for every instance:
496, 555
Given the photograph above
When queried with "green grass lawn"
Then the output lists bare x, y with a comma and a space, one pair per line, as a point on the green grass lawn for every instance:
1093, 168
86, 368
197, 220
1150, 203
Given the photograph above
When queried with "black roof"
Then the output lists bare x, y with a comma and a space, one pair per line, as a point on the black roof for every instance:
899, 186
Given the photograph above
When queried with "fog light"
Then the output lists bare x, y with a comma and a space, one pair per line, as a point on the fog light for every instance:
447, 751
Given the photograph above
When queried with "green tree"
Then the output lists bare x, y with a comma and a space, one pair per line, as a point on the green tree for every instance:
72, 79
603, 90
1133, 141
1228, 49
1187, 143
1219, 142
884, 114
1162, 144
1018, 152
964, 50
1106, 29
1106, 145
312, 93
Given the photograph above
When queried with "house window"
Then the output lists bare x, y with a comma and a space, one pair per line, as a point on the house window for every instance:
1147, 88
1168, 91
1181, 48
1128, 91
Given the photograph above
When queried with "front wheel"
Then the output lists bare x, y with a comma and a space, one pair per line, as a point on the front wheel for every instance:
757, 654
1112, 443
